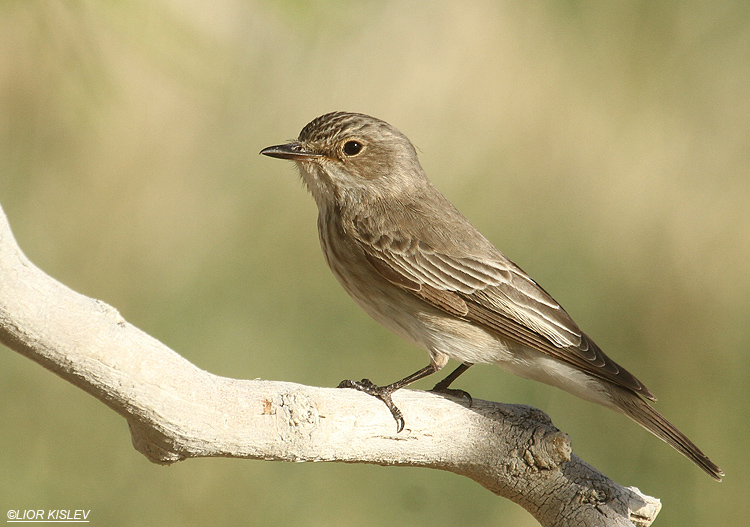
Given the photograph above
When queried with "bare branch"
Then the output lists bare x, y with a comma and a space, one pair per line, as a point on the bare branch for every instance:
176, 411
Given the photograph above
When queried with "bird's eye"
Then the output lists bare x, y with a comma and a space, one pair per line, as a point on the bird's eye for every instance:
352, 148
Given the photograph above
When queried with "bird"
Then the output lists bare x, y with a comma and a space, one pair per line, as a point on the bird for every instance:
417, 266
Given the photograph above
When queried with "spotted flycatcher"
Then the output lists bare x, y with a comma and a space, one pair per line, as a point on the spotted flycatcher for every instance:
417, 266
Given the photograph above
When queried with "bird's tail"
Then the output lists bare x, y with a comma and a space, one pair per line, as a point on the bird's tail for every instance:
642, 413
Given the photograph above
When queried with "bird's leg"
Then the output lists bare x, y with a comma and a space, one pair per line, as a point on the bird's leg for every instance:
384, 392
442, 386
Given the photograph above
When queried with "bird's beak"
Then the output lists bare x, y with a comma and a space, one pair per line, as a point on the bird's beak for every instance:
295, 151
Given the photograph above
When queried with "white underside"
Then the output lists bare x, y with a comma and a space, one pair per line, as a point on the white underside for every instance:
468, 343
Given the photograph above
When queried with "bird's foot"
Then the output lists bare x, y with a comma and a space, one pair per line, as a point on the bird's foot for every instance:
381, 392
453, 392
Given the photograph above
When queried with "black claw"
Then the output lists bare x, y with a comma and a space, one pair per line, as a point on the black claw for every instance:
381, 392
395, 412
453, 392
400, 423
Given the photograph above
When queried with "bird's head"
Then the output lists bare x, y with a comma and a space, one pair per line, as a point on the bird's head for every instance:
347, 158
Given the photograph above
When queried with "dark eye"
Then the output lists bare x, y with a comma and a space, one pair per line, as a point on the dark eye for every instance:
352, 148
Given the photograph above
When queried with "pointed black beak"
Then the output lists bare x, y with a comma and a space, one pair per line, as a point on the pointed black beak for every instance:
294, 151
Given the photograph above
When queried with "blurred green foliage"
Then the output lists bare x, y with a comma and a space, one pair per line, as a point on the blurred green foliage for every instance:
603, 146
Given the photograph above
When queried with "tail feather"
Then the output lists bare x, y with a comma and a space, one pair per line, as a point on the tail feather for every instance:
642, 413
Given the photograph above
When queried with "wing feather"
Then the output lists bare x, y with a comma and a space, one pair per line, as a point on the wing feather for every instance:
494, 293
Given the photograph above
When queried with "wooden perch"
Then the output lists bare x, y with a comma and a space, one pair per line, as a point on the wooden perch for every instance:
177, 411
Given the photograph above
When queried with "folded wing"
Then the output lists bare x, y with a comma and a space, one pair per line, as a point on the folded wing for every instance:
495, 293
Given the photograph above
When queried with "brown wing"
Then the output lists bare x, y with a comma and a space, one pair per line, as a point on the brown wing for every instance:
498, 295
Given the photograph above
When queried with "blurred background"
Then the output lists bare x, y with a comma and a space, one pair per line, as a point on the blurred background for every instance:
604, 147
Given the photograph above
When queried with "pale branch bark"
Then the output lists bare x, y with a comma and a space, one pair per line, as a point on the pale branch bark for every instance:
177, 411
